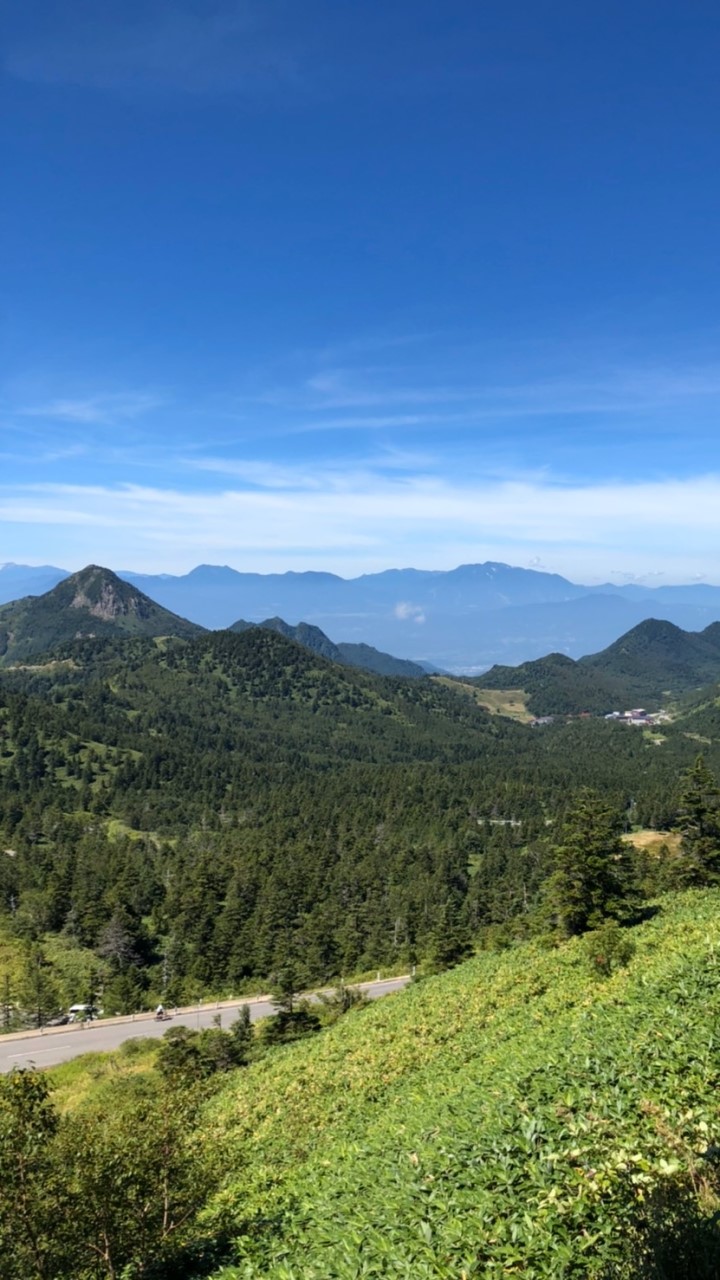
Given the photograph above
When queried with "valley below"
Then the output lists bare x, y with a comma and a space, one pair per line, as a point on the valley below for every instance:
191, 817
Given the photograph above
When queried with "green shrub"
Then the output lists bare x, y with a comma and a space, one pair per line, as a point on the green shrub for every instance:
607, 949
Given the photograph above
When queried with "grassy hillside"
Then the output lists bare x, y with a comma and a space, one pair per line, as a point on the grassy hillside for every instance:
541, 1112
557, 685
511, 702
515, 1116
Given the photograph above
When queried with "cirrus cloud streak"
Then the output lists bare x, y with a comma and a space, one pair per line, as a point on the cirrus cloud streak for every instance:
375, 521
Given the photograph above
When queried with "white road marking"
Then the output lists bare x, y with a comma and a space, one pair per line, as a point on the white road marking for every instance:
33, 1053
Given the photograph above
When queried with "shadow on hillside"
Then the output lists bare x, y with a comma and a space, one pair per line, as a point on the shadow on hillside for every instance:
647, 912
680, 1239
198, 1261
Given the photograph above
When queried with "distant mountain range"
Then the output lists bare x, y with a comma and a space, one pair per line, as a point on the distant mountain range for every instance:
96, 602
651, 663
464, 619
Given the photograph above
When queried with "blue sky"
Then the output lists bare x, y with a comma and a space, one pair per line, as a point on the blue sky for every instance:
353, 285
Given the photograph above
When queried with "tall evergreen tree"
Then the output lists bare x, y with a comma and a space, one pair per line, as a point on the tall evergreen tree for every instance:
699, 824
39, 993
593, 878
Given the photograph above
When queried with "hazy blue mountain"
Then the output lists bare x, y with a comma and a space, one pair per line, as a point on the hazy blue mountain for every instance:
18, 580
216, 595
464, 619
220, 594
695, 593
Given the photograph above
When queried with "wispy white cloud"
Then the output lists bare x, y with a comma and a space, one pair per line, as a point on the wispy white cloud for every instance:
336, 475
339, 352
250, 48
610, 390
43, 456
96, 410
406, 611
381, 520
263, 475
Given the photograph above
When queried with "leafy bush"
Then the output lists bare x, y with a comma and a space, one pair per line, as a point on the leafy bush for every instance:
513, 1116
607, 949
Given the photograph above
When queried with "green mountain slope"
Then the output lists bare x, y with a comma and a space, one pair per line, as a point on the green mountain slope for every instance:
304, 633
649, 663
353, 655
515, 1116
545, 1112
237, 799
656, 657
383, 664
557, 685
93, 602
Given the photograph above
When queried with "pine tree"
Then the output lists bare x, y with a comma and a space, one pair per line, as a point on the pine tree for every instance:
39, 992
242, 1033
699, 824
593, 879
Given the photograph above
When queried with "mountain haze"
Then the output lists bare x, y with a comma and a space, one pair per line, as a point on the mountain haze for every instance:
464, 619
18, 580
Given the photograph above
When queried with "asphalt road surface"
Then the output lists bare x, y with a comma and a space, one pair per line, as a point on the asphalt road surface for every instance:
60, 1044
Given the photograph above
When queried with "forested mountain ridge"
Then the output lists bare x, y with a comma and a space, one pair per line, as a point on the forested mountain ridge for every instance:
649, 664
657, 657
227, 802
89, 603
199, 811
557, 685
383, 664
304, 633
354, 655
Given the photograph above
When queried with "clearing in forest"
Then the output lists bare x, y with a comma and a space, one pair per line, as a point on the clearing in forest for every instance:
499, 702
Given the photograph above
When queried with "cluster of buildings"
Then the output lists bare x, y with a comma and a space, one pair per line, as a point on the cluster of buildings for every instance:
639, 716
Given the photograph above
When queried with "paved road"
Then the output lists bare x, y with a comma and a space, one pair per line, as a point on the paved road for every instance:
63, 1043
